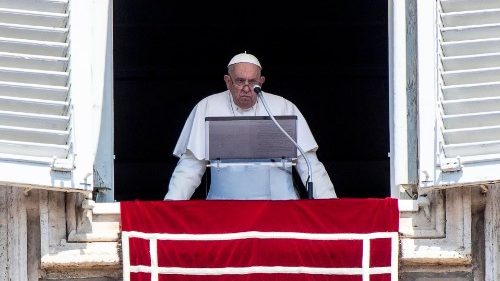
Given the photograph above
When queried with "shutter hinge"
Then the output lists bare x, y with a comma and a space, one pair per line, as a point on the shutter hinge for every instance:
63, 165
450, 164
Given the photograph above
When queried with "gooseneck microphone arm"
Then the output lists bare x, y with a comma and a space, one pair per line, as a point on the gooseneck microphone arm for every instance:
309, 182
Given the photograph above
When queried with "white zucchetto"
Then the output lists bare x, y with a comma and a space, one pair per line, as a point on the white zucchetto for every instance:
244, 57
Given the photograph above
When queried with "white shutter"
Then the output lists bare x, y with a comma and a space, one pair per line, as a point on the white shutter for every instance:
467, 121
35, 127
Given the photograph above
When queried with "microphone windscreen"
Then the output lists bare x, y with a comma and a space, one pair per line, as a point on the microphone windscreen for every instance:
257, 89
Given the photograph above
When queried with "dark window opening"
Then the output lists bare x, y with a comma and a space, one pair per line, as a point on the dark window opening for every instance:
328, 57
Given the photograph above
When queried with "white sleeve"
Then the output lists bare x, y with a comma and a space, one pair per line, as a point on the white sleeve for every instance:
186, 177
322, 185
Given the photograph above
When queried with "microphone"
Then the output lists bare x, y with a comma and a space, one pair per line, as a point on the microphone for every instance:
257, 89
309, 183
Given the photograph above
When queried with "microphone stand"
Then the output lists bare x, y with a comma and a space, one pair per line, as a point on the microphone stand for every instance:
309, 182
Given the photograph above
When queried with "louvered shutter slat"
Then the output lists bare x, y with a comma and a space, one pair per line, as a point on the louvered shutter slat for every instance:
30, 120
481, 119
48, 63
30, 32
33, 106
471, 62
16, 16
468, 5
463, 33
471, 106
33, 149
471, 18
471, 150
471, 47
19, 75
33, 47
52, 6
33, 91
472, 134
30, 134
475, 76
483, 90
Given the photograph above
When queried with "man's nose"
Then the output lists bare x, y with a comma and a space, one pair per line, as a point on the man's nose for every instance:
246, 87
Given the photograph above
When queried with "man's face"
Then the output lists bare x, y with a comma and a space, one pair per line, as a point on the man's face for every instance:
240, 81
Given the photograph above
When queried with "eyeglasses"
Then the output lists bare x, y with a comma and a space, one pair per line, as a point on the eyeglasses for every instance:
240, 82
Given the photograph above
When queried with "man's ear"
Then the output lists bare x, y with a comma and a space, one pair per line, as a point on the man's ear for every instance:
227, 79
262, 80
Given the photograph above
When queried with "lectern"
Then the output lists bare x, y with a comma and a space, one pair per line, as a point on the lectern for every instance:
240, 151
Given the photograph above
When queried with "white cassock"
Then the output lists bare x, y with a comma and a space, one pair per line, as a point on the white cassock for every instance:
243, 182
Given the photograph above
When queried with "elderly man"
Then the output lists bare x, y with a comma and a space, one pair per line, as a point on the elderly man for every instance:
243, 181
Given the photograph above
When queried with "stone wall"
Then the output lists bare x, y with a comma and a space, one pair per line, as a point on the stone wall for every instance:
35, 240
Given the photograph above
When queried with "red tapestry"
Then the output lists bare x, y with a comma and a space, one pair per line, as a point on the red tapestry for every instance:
321, 239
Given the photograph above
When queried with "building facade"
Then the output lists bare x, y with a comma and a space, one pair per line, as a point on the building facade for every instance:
58, 220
